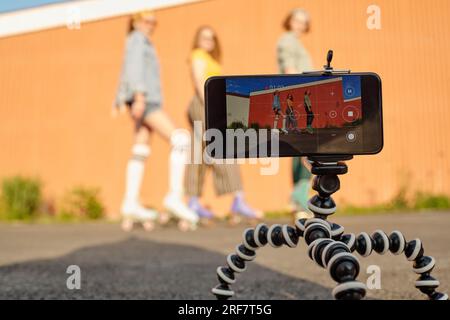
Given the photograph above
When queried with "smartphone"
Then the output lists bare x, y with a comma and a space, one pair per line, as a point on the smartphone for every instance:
308, 114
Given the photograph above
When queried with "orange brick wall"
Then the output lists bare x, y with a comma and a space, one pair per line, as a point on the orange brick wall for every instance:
57, 87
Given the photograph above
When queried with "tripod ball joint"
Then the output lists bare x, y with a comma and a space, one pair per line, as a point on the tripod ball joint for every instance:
351, 290
326, 184
349, 240
379, 242
255, 238
336, 231
397, 242
321, 205
315, 250
331, 250
316, 229
300, 227
413, 250
342, 266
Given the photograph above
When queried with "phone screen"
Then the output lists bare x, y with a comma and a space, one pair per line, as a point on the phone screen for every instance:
311, 114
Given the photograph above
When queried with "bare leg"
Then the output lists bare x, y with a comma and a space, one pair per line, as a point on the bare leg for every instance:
283, 127
160, 122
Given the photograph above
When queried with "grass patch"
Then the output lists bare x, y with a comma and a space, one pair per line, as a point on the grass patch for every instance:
21, 200
81, 204
430, 201
421, 201
277, 214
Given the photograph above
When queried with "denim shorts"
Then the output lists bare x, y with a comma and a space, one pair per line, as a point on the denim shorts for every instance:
149, 107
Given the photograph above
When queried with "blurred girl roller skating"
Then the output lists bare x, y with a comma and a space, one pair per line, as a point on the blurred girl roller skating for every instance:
140, 91
205, 63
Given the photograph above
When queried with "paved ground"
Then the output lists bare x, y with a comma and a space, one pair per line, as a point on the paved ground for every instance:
167, 264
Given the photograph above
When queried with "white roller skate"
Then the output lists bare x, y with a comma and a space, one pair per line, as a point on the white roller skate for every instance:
187, 218
133, 213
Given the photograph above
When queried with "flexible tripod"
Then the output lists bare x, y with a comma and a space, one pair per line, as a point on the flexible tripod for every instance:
327, 244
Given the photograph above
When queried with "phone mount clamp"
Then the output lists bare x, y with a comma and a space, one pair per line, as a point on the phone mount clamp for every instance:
328, 69
327, 243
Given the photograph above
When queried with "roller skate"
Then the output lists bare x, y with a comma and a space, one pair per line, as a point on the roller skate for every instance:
206, 216
240, 211
134, 213
187, 218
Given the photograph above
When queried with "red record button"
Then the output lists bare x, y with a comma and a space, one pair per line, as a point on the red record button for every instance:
350, 113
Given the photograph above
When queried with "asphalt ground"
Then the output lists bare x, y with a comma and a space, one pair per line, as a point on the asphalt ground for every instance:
169, 264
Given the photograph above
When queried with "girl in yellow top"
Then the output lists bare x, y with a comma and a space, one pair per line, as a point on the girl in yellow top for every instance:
205, 63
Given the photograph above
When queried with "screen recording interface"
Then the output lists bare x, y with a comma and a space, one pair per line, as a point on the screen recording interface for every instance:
312, 114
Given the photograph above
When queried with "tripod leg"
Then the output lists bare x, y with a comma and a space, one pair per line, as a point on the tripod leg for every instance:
323, 245
397, 244
276, 235
335, 256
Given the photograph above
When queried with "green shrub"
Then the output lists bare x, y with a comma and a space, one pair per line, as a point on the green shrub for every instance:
277, 214
399, 201
430, 201
21, 198
81, 203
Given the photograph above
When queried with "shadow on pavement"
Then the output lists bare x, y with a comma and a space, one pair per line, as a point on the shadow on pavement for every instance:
142, 269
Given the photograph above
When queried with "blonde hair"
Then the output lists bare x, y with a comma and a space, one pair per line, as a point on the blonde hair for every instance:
217, 52
292, 14
138, 16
